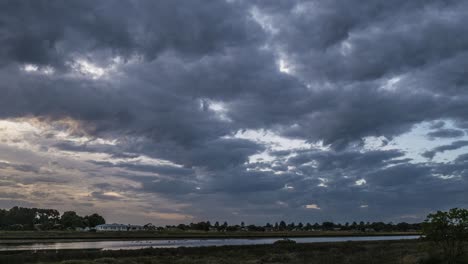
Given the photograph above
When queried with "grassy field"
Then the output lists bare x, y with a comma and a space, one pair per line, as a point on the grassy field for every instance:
74, 235
381, 252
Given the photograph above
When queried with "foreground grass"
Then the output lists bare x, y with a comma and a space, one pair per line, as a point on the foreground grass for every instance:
75, 235
381, 252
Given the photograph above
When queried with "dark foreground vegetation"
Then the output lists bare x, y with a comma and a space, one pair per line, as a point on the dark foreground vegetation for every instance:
382, 252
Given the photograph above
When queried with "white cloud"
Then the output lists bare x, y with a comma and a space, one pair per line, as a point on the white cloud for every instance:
32, 68
312, 206
360, 182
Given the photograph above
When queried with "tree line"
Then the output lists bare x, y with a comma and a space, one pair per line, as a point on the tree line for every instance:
283, 226
20, 218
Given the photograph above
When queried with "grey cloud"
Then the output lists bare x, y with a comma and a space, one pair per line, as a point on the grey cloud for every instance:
168, 187
19, 167
403, 174
437, 125
452, 146
47, 32
446, 133
11, 195
164, 170
345, 160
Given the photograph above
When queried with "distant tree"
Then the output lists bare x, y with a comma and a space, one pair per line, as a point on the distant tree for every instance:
300, 226
362, 226
70, 219
21, 216
182, 227
328, 225
282, 226
149, 227
255, 228
346, 226
204, 226
378, 226
316, 226
46, 219
232, 228
94, 220
3, 218
403, 226
449, 231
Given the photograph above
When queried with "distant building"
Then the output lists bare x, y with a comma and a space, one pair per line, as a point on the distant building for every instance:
118, 227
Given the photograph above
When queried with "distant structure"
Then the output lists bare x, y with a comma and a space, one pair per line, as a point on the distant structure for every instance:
118, 227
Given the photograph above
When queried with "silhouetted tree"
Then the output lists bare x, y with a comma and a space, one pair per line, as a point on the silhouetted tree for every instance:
94, 220
449, 231
70, 219
328, 225
282, 226
300, 226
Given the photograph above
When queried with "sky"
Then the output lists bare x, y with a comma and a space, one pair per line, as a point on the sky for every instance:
258, 111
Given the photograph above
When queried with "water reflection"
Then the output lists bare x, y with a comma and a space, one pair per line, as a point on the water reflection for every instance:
139, 244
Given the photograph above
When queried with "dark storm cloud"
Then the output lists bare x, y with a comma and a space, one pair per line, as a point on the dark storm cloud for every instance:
48, 32
354, 53
193, 74
386, 38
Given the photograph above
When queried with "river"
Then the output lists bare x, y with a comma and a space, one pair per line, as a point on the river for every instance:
139, 244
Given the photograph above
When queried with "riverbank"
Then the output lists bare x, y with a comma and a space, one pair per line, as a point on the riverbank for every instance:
14, 236
382, 252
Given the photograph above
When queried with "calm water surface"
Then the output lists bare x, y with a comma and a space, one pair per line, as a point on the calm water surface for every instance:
138, 244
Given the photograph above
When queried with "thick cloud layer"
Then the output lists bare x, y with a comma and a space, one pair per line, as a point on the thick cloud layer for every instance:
157, 104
